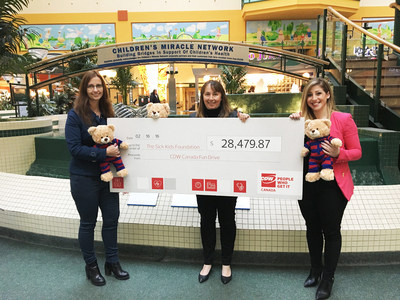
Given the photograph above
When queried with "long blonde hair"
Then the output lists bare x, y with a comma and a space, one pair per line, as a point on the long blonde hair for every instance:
306, 111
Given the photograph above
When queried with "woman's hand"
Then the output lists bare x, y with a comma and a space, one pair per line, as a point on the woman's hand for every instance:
242, 116
295, 116
112, 150
329, 149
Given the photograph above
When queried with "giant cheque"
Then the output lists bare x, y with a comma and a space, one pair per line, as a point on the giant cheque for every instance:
214, 156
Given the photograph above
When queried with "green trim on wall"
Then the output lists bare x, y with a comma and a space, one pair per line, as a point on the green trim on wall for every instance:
25, 131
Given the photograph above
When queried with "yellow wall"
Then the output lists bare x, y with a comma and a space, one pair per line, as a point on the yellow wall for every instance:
236, 18
124, 28
373, 12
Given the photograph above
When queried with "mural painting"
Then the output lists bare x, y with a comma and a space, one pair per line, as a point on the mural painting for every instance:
195, 30
65, 36
383, 29
282, 32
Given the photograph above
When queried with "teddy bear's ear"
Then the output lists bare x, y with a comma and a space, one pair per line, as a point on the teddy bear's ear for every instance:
166, 106
91, 130
327, 122
306, 123
111, 126
149, 105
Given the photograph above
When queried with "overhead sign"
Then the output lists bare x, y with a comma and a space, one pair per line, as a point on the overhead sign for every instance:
214, 156
171, 51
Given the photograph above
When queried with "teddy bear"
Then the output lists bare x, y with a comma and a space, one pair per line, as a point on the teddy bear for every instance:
103, 136
157, 110
320, 165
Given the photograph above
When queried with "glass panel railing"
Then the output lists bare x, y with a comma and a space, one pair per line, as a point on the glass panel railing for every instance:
350, 41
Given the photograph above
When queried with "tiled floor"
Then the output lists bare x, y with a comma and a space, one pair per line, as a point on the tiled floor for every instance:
44, 205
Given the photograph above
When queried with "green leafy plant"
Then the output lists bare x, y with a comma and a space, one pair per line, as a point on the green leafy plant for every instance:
233, 79
5, 101
123, 82
12, 36
80, 63
46, 107
64, 101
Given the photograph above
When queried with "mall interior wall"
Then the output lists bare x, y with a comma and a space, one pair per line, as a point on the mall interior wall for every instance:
153, 11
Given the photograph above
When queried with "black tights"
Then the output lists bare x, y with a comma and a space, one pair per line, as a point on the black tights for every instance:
208, 207
322, 207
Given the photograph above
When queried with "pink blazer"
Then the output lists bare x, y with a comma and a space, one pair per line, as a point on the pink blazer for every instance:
344, 128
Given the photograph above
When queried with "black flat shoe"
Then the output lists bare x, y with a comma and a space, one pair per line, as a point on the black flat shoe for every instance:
203, 278
117, 270
313, 278
324, 289
94, 275
225, 279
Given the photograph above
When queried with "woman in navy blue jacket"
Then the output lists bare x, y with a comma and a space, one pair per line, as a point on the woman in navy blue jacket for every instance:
214, 104
92, 107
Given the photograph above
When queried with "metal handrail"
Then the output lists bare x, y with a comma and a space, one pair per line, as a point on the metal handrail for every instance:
366, 32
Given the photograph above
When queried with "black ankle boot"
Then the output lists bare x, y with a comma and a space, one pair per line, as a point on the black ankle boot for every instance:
313, 278
93, 273
324, 288
117, 270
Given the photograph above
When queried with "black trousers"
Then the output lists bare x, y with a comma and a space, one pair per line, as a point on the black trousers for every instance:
322, 207
209, 207
90, 194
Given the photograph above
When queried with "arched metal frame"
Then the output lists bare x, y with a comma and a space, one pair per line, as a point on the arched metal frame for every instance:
268, 58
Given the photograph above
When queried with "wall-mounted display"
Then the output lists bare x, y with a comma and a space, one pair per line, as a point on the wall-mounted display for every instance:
64, 36
182, 30
282, 32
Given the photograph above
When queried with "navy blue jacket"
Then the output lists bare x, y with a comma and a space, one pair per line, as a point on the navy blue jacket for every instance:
85, 158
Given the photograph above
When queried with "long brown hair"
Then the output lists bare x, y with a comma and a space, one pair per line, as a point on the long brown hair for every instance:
306, 111
216, 86
82, 105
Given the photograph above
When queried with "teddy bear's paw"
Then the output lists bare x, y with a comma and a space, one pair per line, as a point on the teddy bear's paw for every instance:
124, 145
122, 173
312, 177
336, 142
304, 152
107, 177
327, 174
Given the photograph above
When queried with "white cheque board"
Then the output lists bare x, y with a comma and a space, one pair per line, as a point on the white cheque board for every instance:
214, 156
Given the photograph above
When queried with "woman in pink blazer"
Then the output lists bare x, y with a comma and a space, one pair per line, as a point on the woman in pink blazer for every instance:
323, 202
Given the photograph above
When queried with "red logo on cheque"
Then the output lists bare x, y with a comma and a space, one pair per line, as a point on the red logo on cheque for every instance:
239, 186
211, 185
118, 183
197, 185
268, 180
157, 183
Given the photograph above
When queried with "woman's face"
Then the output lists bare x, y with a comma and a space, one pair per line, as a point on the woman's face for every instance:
317, 98
95, 89
212, 99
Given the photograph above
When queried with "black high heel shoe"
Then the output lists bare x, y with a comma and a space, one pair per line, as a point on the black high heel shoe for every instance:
94, 275
313, 278
203, 278
324, 289
116, 269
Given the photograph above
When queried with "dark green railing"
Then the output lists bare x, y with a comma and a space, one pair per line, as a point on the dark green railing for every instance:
345, 44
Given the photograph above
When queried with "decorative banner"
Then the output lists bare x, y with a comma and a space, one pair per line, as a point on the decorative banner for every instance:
214, 156
280, 33
172, 51
65, 36
181, 30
